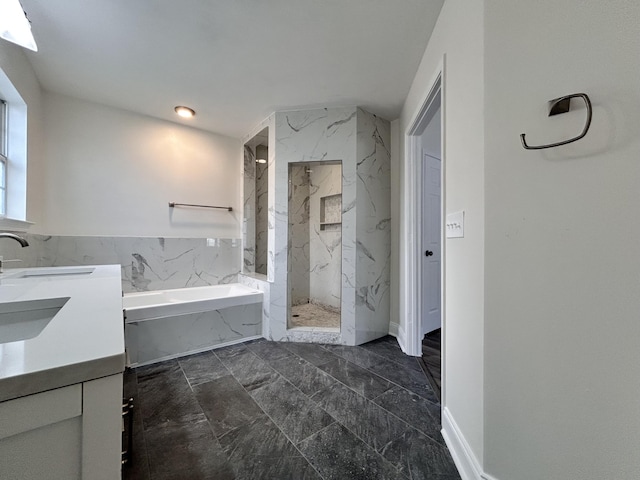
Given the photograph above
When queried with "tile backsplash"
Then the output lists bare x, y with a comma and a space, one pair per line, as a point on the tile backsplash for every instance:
148, 263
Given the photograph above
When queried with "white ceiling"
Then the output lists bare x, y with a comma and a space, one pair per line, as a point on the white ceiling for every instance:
233, 61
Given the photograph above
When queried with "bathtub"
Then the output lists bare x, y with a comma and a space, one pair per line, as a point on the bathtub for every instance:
166, 324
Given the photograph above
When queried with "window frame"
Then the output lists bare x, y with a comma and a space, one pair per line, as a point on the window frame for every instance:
4, 155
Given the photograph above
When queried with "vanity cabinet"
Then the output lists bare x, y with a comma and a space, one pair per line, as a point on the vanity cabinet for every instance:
72, 432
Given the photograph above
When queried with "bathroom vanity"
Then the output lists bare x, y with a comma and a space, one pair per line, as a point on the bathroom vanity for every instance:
61, 362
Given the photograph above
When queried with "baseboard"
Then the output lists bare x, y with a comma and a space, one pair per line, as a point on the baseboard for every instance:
486, 476
401, 336
393, 329
466, 462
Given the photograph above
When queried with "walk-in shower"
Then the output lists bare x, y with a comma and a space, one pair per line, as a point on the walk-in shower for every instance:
315, 245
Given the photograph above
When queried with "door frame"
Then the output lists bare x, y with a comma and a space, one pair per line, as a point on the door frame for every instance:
411, 271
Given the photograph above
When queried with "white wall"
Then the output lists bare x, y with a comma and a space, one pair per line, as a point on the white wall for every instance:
113, 172
459, 35
17, 68
562, 335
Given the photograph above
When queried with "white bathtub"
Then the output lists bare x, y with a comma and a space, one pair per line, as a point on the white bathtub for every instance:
168, 324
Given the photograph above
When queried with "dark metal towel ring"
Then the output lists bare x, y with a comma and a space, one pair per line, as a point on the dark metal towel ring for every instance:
563, 105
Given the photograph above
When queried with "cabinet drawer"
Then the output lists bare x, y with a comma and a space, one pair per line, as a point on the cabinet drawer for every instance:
38, 410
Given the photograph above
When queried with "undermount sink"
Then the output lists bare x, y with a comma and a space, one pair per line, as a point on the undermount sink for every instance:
56, 272
27, 319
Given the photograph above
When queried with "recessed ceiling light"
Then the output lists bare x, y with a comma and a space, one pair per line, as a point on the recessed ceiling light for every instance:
185, 112
260, 160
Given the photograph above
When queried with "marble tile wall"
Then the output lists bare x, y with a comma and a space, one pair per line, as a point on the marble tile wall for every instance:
373, 238
298, 255
147, 263
249, 212
259, 282
325, 240
361, 142
309, 136
261, 209
160, 339
314, 255
265, 129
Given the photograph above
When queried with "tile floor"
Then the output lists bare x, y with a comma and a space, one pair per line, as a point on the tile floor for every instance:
269, 410
431, 361
312, 315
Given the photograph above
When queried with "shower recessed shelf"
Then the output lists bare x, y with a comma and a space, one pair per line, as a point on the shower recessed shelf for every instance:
331, 212
330, 226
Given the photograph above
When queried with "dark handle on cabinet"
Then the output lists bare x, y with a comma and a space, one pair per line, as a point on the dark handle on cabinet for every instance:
428, 253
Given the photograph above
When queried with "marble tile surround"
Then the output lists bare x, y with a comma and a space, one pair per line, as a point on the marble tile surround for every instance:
308, 136
373, 237
298, 254
164, 338
325, 245
259, 282
147, 263
314, 254
268, 125
249, 210
361, 141
262, 210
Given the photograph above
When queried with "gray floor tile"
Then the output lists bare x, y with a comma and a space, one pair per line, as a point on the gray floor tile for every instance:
269, 351
249, 369
165, 396
245, 443
413, 409
358, 355
175, 450
312, 352
338, 454
413, 380
259, 437
280, 468
296, 415
226, 404
359, 379
155, 368
419, 457
388, 348
370, 422
303, 375
202, 367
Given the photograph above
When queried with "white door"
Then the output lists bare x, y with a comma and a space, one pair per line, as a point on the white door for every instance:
431, 234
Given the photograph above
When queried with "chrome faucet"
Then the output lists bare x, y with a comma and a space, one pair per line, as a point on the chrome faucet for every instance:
17, 238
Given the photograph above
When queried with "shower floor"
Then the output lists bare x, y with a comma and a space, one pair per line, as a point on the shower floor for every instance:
312, 315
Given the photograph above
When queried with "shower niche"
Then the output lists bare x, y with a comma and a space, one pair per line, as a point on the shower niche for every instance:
315, 246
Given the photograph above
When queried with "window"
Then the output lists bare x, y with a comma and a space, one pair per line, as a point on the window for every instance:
13, 157
4, 137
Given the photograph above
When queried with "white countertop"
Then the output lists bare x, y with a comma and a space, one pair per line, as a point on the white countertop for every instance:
83, 341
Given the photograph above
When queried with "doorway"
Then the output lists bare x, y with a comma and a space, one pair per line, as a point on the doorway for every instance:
431, 240
315, 246
423, 260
